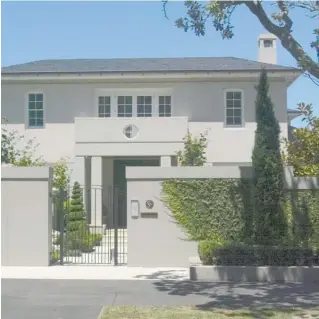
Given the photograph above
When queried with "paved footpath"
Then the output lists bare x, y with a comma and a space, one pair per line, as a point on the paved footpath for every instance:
83, 299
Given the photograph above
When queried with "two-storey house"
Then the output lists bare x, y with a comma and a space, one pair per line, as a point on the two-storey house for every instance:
104, 114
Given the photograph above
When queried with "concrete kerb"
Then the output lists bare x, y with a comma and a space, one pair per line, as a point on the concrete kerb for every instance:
250, 274
95, 272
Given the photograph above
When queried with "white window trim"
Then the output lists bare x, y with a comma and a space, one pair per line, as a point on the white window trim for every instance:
134, 92
98, 105
242, 125
27, 111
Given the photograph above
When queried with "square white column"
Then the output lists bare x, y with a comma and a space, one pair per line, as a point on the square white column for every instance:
166, 161
96, 191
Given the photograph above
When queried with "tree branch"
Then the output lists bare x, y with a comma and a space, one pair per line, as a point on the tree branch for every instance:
287, 40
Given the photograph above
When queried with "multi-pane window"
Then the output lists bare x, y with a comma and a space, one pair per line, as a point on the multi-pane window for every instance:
144, 106
234, 108
124, 106
164, 108
104, 106
35, 110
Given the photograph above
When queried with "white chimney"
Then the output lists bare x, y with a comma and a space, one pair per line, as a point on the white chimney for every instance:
267, 48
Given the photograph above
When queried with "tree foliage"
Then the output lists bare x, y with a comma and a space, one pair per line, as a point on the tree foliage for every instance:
269, 220
17, 153
193, 153
278, 22
61, 175
302, 152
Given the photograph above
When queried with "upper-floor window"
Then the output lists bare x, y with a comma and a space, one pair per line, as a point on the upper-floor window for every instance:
234, 107
164, 108
35, 110
124, 106
104, 106
144, 106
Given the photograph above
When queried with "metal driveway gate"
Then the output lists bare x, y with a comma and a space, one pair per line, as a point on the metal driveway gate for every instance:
90, 234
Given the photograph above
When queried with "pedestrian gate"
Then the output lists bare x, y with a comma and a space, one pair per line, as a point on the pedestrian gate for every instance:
87, 233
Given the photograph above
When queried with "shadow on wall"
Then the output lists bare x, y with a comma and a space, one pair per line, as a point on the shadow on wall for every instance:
301, 202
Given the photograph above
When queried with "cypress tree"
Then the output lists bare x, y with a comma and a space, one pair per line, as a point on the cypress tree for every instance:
269, 220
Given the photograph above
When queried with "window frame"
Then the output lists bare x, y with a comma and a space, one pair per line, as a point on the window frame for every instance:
98, 106
144, 105
27, 117
134, 92
235, 126
125, 105
165, 105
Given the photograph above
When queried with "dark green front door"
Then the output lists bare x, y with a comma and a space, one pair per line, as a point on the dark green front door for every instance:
119, 182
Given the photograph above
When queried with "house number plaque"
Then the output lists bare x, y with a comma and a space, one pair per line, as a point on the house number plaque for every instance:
149, 204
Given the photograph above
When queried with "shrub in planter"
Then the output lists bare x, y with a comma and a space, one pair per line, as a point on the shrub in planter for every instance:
242, 255
206, 251
96, 239
87, 245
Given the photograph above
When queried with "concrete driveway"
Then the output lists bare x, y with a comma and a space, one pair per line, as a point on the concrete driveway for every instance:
83, 299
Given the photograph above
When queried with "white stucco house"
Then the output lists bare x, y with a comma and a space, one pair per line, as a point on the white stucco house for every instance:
104, 114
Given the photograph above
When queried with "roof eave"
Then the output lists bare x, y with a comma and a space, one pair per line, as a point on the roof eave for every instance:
289, 74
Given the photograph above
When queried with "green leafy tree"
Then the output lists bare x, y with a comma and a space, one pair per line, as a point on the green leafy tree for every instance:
8, 143
269, 221
12, 152
193, 153
61, 176
302, 152
277, 17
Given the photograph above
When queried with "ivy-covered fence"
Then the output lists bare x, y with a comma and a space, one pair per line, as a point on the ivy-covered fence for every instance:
221, 210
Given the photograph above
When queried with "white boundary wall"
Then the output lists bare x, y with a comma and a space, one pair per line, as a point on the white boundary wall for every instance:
26, 216
154, 239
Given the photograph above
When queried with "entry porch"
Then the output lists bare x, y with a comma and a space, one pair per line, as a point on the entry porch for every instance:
104, 187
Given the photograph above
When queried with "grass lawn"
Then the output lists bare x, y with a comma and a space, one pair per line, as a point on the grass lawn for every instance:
132, 312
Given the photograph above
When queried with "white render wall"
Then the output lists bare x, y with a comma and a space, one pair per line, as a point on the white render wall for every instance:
26, 216
201, 102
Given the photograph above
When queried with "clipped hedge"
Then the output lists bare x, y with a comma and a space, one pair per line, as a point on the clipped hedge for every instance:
221, 210
211, 209
241, 255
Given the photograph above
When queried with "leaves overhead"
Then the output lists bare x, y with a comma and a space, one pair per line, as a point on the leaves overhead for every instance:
303, 151
278, 22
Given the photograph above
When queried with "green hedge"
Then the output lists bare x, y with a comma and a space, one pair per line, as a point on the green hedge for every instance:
221, 210
241, 255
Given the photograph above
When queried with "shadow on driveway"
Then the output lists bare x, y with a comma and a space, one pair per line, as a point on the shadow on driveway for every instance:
235, 296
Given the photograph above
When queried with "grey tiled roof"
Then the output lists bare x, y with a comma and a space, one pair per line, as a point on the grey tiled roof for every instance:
141, 65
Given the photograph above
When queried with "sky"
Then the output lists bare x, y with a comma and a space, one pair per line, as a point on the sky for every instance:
60, 30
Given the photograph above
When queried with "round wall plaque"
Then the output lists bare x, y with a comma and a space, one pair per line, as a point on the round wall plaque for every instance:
149, 204
130, 131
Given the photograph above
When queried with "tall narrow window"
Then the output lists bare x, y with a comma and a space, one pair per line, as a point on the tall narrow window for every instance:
144, 106
35, 110
234, 116
165, 108
104, 106
124, 106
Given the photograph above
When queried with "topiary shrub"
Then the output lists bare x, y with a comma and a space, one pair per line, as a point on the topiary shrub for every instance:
77, 229
242, 255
